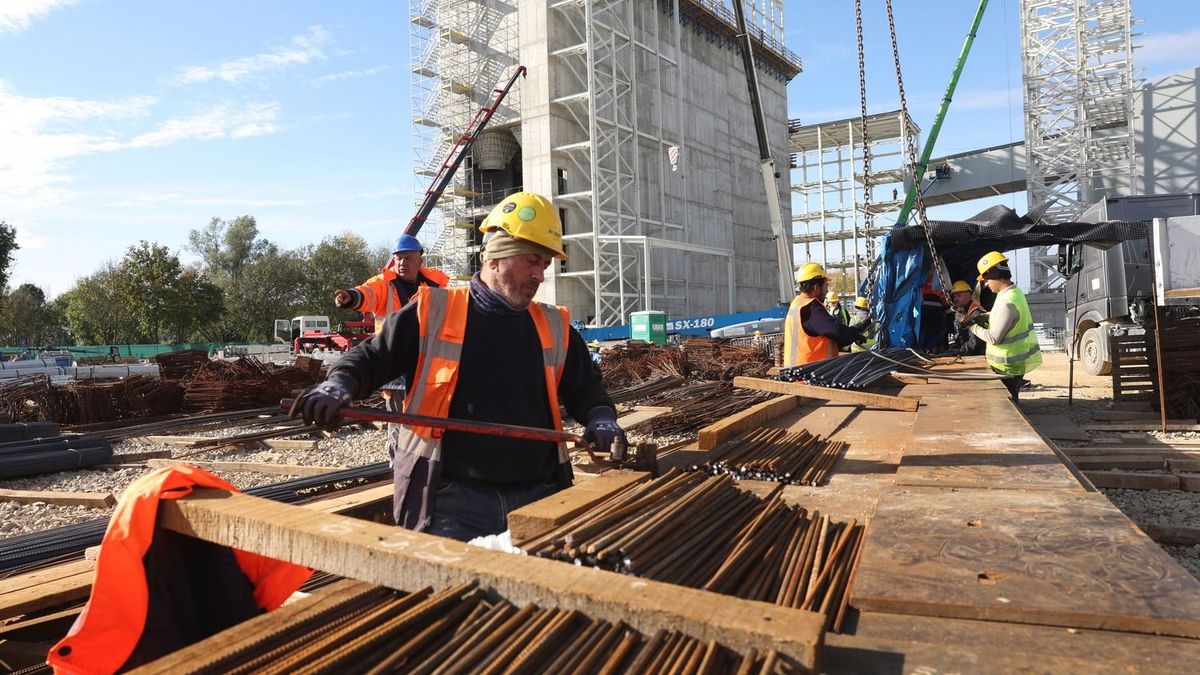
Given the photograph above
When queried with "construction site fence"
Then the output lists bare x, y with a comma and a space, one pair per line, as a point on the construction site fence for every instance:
136, 351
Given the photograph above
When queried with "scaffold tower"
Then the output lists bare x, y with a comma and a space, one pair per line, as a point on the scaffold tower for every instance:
460, 50
1079, 81
830, 221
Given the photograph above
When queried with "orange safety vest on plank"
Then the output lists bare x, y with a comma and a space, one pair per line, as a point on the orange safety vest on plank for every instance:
380, 297
112, 625
798, 346
442, 316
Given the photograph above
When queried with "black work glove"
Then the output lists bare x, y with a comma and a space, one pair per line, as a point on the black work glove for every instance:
319, 404
602, 429
863, 325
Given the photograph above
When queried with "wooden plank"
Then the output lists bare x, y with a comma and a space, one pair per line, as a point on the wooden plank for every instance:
533, 520
256, 467
987, 642
1123, 416
1140, 426
36, 629
973, 436
45, 588
1129, 480
93, 500
862, 398
291, 443
755, 416
641, 414
1179, 535
1164, 451
1051, 557
408, 560
177, 441
1124, 462
1189, 482
1184, 465
1058, 427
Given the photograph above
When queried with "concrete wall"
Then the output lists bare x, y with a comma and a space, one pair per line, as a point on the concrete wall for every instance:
715, 199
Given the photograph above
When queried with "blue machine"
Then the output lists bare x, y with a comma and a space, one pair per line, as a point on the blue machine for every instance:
696, 325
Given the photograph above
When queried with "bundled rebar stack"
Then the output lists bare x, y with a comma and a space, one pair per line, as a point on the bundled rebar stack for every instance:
34, 456
710, 359
182, 364
697, 405
363, 629
89, 401
703, 532
794, 458
649, 387
244, 383
635, 362
855, 370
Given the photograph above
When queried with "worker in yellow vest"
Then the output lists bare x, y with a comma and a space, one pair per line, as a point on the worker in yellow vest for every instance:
963, 343
1012, 346
833, 305
485, 352
860, 315
809, 332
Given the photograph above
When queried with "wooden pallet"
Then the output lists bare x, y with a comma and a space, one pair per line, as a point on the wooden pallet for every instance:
1132, 369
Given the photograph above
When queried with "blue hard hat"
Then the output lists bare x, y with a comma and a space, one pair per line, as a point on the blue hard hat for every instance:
407, 242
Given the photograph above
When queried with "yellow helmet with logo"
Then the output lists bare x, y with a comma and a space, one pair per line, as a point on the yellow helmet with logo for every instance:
989, 261
832, 296
528, 216
809, 271
860, 303
960, 286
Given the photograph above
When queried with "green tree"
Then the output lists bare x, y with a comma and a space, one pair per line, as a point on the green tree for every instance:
271, 287
95, 311
227, 246
342, 261
196, 307
169, 302
8, 245
28, 320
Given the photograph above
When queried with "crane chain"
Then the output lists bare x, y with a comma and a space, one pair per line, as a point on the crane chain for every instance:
911, 151
868, 217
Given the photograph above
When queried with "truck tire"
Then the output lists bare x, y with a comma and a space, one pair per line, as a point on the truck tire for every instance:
1091, 352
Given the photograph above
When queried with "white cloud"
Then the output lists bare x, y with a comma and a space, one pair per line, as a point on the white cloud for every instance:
349, 75
1168, 48
223, 121
18, 15
180, 199
300, 50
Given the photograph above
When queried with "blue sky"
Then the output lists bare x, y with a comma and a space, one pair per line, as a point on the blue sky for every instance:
123, 120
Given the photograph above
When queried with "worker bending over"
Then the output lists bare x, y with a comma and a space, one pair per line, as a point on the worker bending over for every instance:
1012, 346
809, 332
860, 315
966, 312
483, 352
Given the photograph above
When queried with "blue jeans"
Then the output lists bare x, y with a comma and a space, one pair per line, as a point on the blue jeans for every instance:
465, 509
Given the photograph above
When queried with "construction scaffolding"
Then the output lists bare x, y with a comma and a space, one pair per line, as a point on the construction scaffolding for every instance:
832, 221
1077, 62
460, 50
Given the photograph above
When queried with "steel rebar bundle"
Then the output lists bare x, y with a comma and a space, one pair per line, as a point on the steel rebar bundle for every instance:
87, 401
855, 370
704, 532
697, 405
719, 359
634, 362
366, 630
795, 458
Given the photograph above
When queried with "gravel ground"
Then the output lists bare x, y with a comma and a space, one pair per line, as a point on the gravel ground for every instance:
350, 447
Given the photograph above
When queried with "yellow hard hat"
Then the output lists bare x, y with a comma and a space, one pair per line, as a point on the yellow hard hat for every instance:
960, 286
989, 261
809, 271
832, 296
528, 216
860, 303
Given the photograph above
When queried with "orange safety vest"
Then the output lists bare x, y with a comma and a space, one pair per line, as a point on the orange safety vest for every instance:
110, 626
798, 346
442, 314
379, 295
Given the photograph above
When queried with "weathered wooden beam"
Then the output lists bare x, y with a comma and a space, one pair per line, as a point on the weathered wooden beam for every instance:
48, 587
409, 561
1141, 426
751, 418
641, 413
862, 398
534, 520
139, 456
1179, 535
93, 500
1128, 480
257, 467
1125, 462
1164, 451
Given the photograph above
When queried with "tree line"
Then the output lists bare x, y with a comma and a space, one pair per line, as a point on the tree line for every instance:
236, 290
